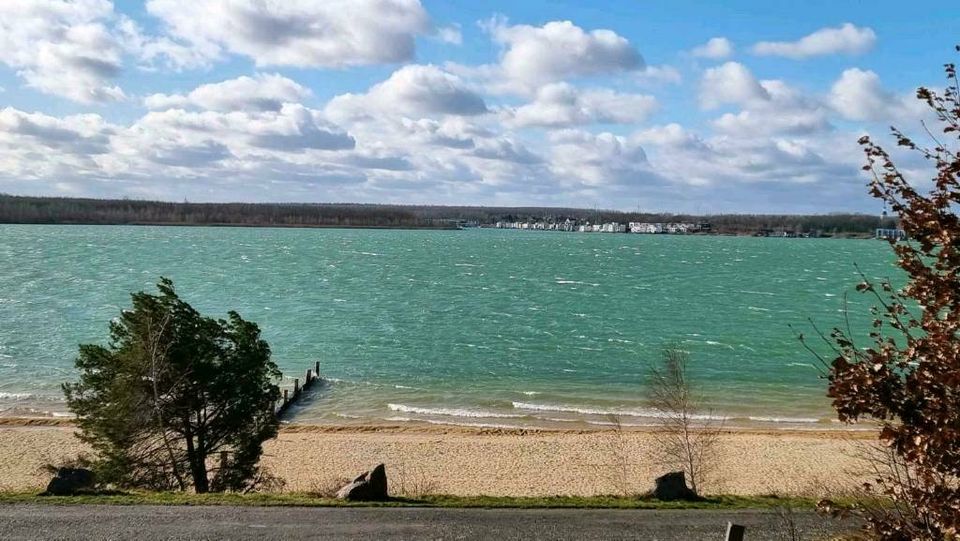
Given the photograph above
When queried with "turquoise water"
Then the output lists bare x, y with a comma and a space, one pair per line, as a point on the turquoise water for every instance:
481, 327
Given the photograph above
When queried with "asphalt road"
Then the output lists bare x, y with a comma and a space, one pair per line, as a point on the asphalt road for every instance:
22, 522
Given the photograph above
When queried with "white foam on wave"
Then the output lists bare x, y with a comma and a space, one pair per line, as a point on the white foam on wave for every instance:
649, 413
15, 396
798, 420
805, 365
575, 282
449, 423
453, 412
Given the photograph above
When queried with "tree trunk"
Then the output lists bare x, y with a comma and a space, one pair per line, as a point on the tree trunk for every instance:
198, 467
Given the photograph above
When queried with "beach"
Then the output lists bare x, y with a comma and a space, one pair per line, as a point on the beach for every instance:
469, 461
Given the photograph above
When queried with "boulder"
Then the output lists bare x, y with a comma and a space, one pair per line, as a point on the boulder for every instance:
70, 481
673, 486
370, 486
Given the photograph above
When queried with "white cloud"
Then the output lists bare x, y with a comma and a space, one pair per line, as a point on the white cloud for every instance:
714, 48
62, 48
561, 104
77, 134
730, 83
598, 160
418, 90
292, 128
534, 56
859, 95
659, 75
845, 39
786, 111
305, 33
262, 92
156, 52
450, 34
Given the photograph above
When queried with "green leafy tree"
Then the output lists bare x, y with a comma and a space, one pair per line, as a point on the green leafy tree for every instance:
171, 393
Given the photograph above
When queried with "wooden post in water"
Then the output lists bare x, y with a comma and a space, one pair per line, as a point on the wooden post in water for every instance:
309, 379
316, 369
286, 397
296, 387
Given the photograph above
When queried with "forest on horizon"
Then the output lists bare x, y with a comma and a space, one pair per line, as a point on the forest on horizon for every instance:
62, 210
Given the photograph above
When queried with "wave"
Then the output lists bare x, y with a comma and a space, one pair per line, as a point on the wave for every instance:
784, 419
575, 282
450, 423
14, 396
453, 412
648, 413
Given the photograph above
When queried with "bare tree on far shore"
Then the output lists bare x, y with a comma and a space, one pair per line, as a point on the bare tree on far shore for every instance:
688, 437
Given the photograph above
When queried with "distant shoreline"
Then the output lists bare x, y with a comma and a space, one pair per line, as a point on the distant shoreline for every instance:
842, 236
230, 225
85, 211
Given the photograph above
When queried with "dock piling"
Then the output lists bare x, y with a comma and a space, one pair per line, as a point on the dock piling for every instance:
311, 376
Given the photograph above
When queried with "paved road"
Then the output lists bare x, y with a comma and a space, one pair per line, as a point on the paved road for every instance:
22, 522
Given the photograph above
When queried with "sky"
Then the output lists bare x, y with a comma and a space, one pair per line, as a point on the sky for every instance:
680, 106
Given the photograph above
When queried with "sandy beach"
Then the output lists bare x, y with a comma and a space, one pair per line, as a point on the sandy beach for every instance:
466, 462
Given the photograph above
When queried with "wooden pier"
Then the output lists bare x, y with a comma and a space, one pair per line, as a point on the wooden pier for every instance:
288, 398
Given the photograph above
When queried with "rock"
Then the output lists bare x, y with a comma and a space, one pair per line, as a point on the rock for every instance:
673, 486
70, 481
370, 486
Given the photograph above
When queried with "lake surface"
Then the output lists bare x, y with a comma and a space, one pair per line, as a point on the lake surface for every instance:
474, 327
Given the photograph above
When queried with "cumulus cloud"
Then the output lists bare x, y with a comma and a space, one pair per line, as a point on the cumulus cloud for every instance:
714, 49
426, 133
77, 134
659, 75
450, 34
417, 90
62, 48
730, 83
785, 111
845, 39
536, 55
294, 128
859, 95
561, 104
262, 92
598, 160
305, 33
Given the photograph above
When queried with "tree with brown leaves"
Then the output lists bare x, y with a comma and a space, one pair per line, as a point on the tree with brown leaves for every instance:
908, 379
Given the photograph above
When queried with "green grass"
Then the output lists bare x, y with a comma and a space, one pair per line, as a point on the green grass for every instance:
306, 500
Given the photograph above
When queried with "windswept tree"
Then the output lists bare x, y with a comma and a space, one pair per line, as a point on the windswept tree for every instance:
687, 438
908, 376
171, 392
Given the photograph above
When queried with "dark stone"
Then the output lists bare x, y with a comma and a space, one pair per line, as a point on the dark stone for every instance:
71, 481
370, 486
673, 486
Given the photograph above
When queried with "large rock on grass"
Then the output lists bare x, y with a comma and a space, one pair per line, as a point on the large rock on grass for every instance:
673, 486
71, 481
370, 486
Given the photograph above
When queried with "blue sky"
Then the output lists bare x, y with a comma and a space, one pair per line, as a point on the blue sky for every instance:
670, 106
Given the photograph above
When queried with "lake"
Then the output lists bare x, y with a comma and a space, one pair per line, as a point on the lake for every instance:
474, 327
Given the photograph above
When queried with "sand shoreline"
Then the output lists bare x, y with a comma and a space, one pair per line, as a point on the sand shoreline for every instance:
498, 462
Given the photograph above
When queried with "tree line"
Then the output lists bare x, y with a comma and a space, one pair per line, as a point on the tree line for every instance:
62, 210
